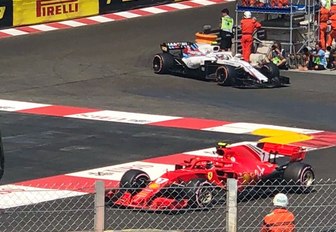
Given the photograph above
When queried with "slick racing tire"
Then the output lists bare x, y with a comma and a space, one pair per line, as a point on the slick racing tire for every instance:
134, 180
299, 176
225, 75
162, 63
200, 193
270, 70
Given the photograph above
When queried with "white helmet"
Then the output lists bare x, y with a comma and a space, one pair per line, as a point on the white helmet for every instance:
323, 3
280, 200
238, 55
247, 14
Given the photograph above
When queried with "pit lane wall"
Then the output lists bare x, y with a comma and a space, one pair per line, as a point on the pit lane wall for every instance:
28, 12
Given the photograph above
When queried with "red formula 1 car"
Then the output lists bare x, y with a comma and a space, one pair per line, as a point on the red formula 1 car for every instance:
195, 182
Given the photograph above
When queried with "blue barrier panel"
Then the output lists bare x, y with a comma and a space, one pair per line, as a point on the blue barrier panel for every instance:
6, 13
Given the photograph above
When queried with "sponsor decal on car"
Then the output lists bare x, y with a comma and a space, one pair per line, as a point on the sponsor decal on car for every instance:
210, 175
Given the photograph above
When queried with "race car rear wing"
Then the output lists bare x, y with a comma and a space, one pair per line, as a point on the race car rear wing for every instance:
2, 158
295, 153
166, 47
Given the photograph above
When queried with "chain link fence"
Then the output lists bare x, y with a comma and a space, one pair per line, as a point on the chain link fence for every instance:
208, 209
314, 209
47, 208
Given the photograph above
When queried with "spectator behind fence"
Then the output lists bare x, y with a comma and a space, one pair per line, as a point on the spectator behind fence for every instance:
277, 56
280, 219
279, 3
330, 56
318, 60
303, 59
254, 3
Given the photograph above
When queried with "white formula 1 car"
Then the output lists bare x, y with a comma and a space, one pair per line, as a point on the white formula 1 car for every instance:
207, 62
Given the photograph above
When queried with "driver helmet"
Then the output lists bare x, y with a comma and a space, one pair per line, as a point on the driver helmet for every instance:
323, 3
280, 200
247, 14
238, 56
219, 148
209, 165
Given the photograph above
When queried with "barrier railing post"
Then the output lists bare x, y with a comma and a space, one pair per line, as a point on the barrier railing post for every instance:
99, 217
231, 205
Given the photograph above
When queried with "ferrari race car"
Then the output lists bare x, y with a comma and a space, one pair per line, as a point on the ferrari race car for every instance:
200, 180
207, 62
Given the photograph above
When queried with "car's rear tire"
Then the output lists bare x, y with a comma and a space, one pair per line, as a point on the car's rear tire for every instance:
200, 193
134, 180
225, 75
162, 63
299, 176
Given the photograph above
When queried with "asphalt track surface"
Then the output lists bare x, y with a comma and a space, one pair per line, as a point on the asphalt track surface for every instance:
108, 66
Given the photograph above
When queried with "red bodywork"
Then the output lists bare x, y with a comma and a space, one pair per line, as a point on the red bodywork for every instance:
246, 163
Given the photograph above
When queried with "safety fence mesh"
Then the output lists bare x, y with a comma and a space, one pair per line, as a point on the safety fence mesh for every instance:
188, 208
314, 208
47, 207
204, 211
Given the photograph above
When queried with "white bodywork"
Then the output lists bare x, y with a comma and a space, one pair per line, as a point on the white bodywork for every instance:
211, 53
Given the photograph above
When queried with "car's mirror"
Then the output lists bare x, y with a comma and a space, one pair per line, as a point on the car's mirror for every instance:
215, 48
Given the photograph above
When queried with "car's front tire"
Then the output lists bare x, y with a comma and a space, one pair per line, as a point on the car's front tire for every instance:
200, 193
134, 180
270, 70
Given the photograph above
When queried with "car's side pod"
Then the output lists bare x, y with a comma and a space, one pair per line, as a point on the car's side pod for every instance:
2, 158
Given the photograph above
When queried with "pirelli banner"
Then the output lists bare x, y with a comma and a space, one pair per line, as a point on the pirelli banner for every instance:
107, 6
27, 12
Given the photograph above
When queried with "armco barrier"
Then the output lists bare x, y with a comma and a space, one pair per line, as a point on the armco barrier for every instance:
6, 13
26, 12
108, 6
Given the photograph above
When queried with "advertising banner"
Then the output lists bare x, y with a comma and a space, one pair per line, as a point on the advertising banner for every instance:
107, 6
40, 11
6, 13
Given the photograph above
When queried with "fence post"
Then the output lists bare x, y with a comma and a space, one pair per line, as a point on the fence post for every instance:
99, 218
231, 205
